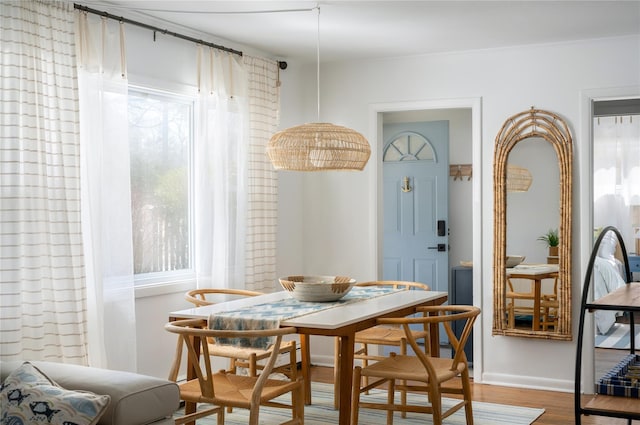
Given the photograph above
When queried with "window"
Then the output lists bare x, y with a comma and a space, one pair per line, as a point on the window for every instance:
409, 146
160, 141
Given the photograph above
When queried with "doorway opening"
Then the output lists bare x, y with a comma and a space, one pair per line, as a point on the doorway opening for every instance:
616, 168
465, 207
600, 359
616, 202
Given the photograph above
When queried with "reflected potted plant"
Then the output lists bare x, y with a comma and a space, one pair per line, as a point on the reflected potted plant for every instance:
552, 240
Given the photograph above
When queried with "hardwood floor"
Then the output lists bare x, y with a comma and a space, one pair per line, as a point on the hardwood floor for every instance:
558, 406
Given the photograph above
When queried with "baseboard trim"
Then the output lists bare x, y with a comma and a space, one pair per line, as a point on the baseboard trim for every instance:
528, 382
322, 360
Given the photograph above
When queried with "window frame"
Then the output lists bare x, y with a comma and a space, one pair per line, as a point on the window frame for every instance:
157, 283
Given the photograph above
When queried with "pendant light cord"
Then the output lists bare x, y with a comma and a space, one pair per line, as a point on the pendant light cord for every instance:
318, 62
318, 146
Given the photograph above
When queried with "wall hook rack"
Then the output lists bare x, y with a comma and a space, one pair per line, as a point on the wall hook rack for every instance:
458, 171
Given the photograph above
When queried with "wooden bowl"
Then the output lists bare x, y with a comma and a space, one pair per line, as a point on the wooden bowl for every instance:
513, 260
317, 288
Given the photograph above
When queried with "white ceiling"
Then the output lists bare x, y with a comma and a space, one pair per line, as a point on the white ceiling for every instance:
372, 29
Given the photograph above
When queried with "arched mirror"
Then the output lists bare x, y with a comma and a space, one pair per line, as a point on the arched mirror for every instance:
532, 205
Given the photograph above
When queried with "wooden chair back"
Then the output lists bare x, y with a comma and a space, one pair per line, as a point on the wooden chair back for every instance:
370, 336
198, 297
420, 372
445, 315
396, 284
514, 294
241, 357
193, 335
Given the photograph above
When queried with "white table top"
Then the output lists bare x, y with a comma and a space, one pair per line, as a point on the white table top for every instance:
533, 269
332, 318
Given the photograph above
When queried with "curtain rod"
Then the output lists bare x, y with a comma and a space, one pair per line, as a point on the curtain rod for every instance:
154, 29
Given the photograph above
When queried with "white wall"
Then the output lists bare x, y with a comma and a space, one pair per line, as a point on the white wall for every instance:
325, 219
338, 212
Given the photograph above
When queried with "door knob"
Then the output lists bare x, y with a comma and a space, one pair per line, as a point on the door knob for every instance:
441, 247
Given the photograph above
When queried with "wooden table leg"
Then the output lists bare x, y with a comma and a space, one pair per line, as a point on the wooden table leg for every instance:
190, 407
347, 344
305, 350
536, 304
336, 373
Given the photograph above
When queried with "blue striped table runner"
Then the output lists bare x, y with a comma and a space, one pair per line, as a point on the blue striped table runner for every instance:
268, 315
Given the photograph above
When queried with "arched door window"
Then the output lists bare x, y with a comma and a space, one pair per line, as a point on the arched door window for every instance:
409, 146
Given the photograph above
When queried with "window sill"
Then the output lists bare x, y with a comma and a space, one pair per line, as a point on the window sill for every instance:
165, 288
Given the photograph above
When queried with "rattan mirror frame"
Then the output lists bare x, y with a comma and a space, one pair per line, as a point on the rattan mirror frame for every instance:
552, 128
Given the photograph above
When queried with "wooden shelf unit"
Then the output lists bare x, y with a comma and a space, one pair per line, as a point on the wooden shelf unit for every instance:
614, 406
627, 299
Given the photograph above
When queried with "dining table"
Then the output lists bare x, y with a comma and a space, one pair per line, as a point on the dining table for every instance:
341, 319
536, 273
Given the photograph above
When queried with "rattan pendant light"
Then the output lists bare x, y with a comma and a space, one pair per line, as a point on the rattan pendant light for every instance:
318, 146
518, 179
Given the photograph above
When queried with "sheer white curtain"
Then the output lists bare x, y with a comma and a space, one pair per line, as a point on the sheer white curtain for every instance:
616, 166
42, 275
221, 170
106, 192
262, 207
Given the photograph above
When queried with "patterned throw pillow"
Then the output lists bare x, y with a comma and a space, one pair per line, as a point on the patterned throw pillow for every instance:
28, 396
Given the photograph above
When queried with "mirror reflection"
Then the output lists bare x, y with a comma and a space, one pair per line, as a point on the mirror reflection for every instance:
533, 216
608, 272
532, 223
616, 169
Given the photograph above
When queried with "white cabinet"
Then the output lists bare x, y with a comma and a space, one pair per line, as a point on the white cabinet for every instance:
461, 293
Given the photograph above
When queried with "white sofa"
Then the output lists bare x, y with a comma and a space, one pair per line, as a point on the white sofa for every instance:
135, 399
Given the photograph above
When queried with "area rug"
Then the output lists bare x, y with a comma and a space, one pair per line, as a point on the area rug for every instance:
618, 337
321, 412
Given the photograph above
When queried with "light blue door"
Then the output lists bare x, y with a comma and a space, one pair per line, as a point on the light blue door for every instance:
415, 175
415, 197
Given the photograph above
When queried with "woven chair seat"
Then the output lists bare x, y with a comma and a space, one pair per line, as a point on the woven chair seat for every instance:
411, 368
383, 335
235, 390
247, 357
520, 295
246, 353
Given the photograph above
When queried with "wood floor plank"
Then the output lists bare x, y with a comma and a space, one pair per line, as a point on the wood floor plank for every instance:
558, 405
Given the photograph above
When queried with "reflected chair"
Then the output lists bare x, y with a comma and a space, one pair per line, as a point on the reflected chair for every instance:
422, 373
241, 357
223, 389
513, 298
382, 335
549, 314
549, 306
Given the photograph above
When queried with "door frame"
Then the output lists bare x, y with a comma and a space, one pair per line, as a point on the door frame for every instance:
376, 140
584, 237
